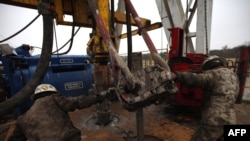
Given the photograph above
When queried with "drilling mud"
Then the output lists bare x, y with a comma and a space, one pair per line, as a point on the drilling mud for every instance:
159, 124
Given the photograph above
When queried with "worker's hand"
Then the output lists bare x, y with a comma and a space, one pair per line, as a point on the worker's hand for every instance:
108, 94
168, 76
134, 90
100, 98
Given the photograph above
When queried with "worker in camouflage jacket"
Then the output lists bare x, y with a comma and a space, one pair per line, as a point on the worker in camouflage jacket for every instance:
220, 87
48, 119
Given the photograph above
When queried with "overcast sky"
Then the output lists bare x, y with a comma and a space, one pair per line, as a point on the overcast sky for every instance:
230, 26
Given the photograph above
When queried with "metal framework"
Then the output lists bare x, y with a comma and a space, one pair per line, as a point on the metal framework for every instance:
173, 15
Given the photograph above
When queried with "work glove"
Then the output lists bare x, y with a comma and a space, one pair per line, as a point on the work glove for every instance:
108, 94
168, 76
101, 97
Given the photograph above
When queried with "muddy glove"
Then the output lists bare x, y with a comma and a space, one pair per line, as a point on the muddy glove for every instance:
101, 97
168, 76
108, 94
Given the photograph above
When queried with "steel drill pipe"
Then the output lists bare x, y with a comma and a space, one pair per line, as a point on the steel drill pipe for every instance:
115, 58
156, 57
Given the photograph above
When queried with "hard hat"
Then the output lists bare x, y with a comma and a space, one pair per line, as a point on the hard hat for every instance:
212, 62
44, 88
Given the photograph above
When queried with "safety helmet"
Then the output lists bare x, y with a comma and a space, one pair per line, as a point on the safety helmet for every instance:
44, 88
213, 62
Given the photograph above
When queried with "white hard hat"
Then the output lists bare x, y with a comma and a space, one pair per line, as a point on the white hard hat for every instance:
44, 88
213, 61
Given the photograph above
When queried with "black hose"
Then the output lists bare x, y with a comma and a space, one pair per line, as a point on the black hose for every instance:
21, 29
25, 93
54, 52
73, 30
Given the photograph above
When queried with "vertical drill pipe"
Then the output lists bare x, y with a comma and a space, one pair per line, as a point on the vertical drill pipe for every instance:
112, 16
115, 58
129, 39
139, 111
242, 71
140, 124
157, 58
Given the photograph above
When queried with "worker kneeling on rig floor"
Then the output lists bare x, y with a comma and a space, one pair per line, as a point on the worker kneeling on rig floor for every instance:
48, 119
220, 87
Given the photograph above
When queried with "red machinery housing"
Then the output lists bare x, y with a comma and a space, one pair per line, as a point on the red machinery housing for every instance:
191, 62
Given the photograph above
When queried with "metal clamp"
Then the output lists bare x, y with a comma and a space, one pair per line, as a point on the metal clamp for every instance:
46, 8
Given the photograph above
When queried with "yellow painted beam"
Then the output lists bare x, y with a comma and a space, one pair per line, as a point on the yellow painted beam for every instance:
148, 28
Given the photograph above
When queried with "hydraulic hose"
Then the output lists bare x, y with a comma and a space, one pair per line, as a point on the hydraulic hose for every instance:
55, 52
72, 32
20, 30
45, 7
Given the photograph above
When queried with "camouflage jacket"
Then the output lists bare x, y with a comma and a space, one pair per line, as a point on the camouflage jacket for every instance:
48, 119
220, 87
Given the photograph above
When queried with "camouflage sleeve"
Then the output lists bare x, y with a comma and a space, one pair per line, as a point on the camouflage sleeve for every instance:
194, 79
72, 103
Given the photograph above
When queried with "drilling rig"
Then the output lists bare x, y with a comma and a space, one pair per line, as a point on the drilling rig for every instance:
135, 89
110, 72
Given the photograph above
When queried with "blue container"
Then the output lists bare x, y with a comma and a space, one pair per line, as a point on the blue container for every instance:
70, 74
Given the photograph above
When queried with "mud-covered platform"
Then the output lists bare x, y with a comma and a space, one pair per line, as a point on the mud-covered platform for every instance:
159, 123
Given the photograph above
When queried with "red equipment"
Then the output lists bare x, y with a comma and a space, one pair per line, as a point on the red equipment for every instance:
242, 71
191, 62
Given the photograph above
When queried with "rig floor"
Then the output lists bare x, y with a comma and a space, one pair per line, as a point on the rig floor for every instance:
159, 124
